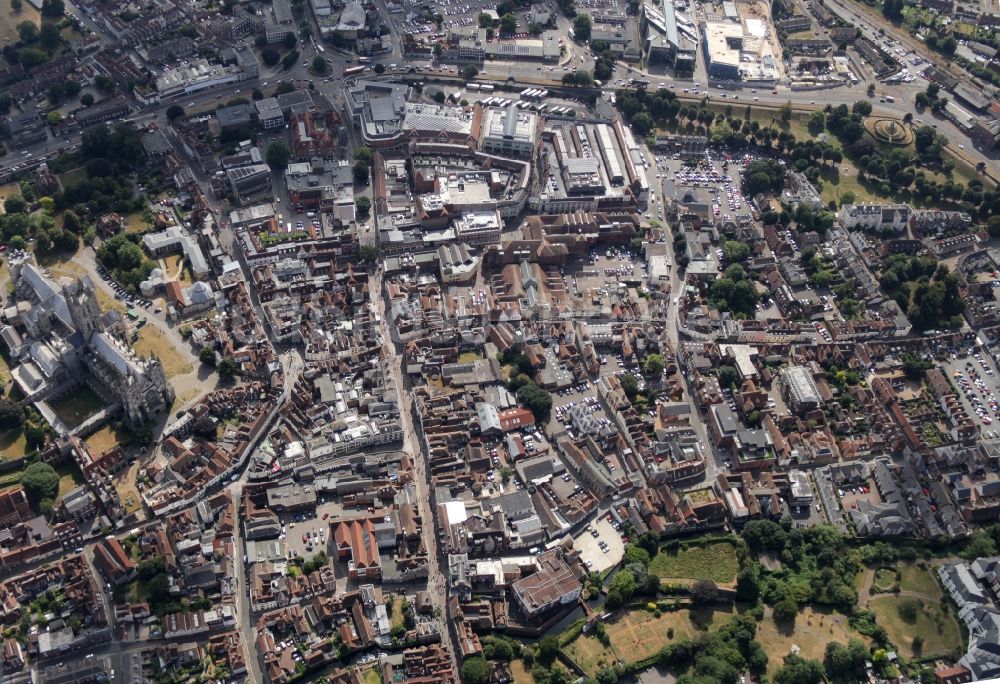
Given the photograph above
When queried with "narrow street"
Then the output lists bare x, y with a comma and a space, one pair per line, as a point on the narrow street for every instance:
412, 444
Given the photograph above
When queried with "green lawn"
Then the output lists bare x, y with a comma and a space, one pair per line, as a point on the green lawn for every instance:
77, 406
885, 578
940, 631
396, 614
920, 580
70, 477
373, 676
812, 629
12, 444
73, 176
716, 562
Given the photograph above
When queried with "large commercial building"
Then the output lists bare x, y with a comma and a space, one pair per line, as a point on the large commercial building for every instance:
722, 42
670, 36
509, 132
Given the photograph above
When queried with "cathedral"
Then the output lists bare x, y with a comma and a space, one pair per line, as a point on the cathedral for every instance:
58, 337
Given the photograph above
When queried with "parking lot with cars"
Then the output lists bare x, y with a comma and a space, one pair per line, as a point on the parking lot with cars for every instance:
974, 375
601, 546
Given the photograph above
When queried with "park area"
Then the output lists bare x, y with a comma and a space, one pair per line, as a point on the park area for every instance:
810, 632
639, 633
711, 561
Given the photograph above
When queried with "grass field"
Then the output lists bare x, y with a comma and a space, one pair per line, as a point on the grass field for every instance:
920, 580
812, 630
396, 615
135, 223
638, 633
520, 673
12, 444
73, 176
126, 488
469, 357
9, 20
153, 341
716, 562
104, 439
373, 676
885, 578
940, 631
77, 406
70, 477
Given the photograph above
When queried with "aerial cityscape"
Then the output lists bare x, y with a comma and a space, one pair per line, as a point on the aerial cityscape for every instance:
530, 342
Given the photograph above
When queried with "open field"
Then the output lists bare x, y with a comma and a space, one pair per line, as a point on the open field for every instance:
716, 562
919, 580
372, 676
12, 444
469, 356
9, 20
638, 633
153, 341
77, 406
813, 628
4, 374
521, 674
940, 631
104, 439
396, 615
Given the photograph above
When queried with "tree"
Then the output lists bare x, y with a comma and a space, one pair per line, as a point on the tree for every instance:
537, 400
508, 23
469, 72
319, 64
174, 112
278, 154
53, 8
363, 154
748, 583
361, 172
207, 355
228, 368
363, 205
290, 59
485, 20
438, 50
862, 107
630, 386
653, 366
50, 38
476, 671
288, 40
704, 591
368, 254
71, 221
785, 610
40, 481
635, 554
270, 56
54, 118
582, 26
845, 663
86, 99
205, 427
798, 670
440, 97
11, 415
27, 31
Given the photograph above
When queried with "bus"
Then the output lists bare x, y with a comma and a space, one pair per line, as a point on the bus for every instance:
350, 71
364, 60
320, 48
473, 86
486, 87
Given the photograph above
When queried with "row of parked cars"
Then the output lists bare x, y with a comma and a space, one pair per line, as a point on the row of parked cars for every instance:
123, 294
